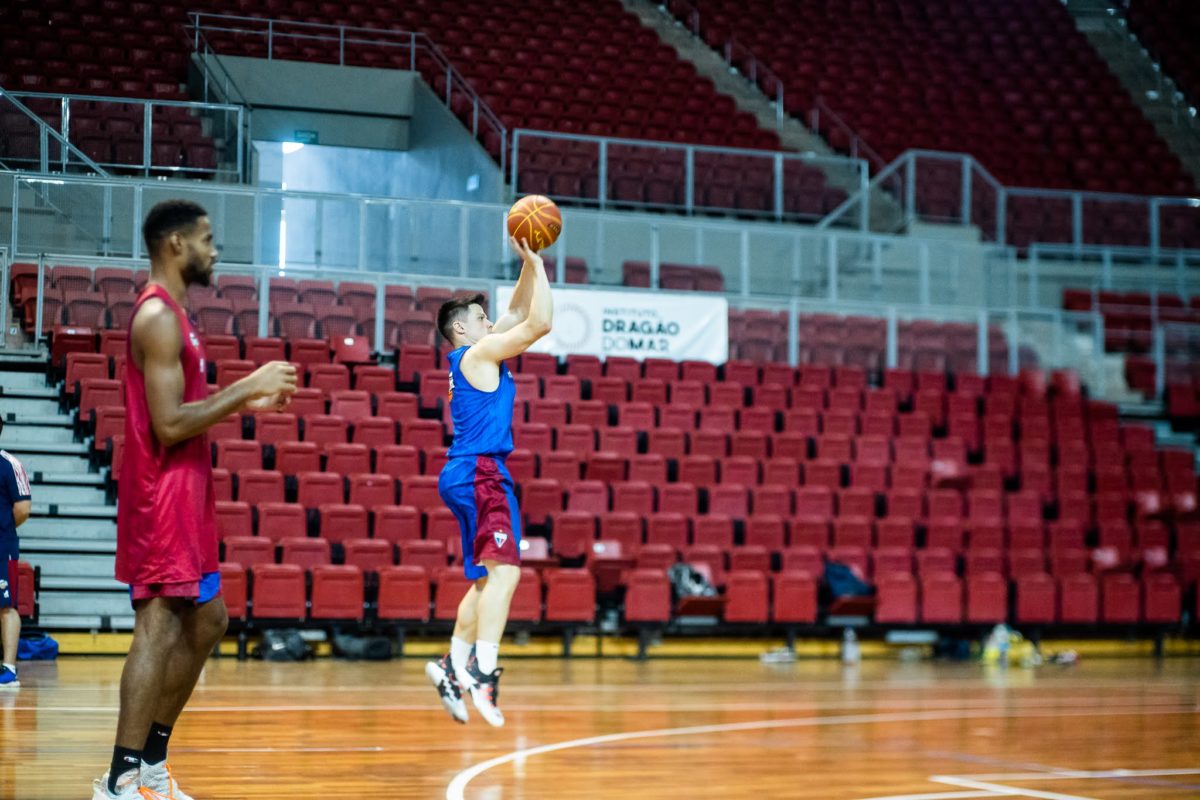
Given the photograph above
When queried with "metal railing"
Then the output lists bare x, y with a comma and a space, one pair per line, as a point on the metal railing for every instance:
138, 143
1170, 271
678, 168
49, 149
955, 188
222, 34
858, 147
738, 57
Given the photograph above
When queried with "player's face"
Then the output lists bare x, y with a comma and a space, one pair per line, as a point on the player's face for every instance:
476, 325
201, 254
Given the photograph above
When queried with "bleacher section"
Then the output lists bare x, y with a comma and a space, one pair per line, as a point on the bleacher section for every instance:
1170, 31
1017, 86
965, 500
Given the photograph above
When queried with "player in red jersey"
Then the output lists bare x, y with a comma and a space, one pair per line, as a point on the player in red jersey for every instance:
166, 526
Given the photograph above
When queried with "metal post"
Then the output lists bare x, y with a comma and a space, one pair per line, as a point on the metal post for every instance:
464, 242
256, 255
412, 51
745, 261
1001, 216
240, 144
5, 301
779, 112
1098, 350
1106, 268
561, 276
475, 116
655, 255
793, 332
966, 190
778, 186
1160, 362
14, 228
362, 235
43, 148
1014, 343
380, 310
892, 357
1180, 275
264, 300
135, 221
341, 45
1154, 232
41, 299
831, 268
1032, 261
65, 129
603, 188
106, 221
876, 266
147, 133
449, 82
796, 263
910, 188
319, 230
689, 191
1077, 221
270, 38
923, 274
981, 343
516, 148
864, 192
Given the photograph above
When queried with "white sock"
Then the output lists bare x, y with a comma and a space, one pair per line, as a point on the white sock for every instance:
460, 651
13, 667
487, 653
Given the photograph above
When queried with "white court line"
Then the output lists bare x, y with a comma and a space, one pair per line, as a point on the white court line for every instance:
1001, 790
1054, 774
455, 790
935, 795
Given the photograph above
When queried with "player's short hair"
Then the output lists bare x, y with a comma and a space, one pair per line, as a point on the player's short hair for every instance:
168, 217
452, 310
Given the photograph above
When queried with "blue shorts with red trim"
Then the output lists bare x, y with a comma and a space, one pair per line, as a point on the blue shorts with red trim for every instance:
479, 490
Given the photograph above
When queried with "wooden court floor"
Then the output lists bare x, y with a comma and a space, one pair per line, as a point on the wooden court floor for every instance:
618, 729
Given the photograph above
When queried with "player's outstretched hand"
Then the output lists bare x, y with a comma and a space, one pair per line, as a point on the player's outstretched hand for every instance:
271, 385
528, 255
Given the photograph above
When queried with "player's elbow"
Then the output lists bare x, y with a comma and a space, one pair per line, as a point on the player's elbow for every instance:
167, 435
539, 327
21, 512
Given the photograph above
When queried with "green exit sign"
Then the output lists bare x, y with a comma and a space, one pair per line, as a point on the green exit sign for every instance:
305, 137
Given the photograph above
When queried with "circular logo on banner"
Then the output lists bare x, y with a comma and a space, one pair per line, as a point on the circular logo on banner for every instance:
572, 330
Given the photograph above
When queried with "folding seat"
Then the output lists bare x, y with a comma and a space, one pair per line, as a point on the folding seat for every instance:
757, 418
234, 590
434, 388
570, 596
404, 594
648, 596
94, 393
337, 592
278, 592
941, 598
236, 455
425, 434
841, 424
852, 531
578, 439
610, 390
527, 600
584, 366
768, 531
590, 413
622, 367
888, 560
352, 405
1116, 534
806, 421
686, 393
772, 499
325, 429
540, 498
528, 388
374, 431
895, 599
668, 528
986, 597
619, 440
548, 412
541, 364
648, 467
562, 387
109, 421
795, 597
304, 551
256, 486
372, 491
533, 436
730, 500
605, 466
588, 496
707, 558
648, 390
1036, 599
711, 443
746, 593
441, 525
307, 402
451, 586
430, 555
348, 459
1162, 598
369, 555
1079, 599
633, 496
623, 527
853, 557
233, 519
734, 470
84, 366
714, 530
397, 523
222, 480
1120, 599
720, 419
745, 373
823, 472
726, 395
681, 497
932, 560
273, 428
790, 445
564, 466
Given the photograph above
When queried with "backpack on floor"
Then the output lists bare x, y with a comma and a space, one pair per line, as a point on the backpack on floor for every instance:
282, 645
37, 647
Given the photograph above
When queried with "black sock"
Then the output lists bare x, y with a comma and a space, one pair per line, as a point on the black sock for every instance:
155, 751
123, 761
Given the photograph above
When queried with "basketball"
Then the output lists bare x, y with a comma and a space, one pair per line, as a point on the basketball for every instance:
535, 219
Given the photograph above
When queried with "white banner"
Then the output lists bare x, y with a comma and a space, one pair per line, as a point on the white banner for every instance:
638, 324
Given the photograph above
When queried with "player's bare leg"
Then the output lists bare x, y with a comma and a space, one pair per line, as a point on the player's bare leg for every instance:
203, 627
10, 633
492, 614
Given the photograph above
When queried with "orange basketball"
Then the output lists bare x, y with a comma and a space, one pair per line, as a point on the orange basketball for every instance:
535, 219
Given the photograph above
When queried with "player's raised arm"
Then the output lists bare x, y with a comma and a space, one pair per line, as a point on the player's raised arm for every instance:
518, 305
538, 319
156, 337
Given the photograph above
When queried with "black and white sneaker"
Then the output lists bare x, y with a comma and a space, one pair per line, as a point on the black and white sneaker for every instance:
441, 675
485, 692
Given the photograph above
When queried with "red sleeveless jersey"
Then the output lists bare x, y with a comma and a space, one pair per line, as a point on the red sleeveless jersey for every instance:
166, 511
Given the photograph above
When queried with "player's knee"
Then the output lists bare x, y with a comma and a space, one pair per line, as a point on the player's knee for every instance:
506, 575
216, 621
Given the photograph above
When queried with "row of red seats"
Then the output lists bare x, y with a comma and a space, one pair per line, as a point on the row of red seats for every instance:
1169, 30
400, 594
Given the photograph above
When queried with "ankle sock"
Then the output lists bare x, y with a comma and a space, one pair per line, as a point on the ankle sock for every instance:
155, 751
486, 656
460, 652
124, 760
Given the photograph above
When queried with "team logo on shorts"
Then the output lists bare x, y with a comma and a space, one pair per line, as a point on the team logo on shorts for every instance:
501, 537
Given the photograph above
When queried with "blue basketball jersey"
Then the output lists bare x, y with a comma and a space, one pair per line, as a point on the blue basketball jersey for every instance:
482, 420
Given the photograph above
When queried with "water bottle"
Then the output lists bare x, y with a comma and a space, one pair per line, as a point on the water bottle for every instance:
850, 652
1003, 648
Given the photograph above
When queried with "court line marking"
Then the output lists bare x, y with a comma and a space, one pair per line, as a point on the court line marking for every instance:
998, 789
457, 786
989, 786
